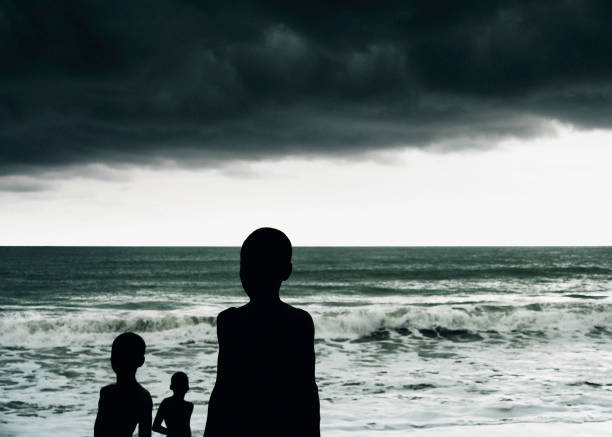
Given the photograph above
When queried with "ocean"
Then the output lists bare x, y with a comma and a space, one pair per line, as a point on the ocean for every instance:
409, 341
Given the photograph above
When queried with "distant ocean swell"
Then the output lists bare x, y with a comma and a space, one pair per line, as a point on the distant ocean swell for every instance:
469, 321
403, 272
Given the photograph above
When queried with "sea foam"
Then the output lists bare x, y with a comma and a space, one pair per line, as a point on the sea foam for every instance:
586, 318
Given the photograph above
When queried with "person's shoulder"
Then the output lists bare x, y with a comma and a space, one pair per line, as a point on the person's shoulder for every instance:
298, 313
225, 322
227, 314
144, 395
300, 317
108, 390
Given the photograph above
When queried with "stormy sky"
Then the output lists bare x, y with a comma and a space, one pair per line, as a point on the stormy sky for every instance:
99, 91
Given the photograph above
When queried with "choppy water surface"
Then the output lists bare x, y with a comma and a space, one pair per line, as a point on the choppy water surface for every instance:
406, 338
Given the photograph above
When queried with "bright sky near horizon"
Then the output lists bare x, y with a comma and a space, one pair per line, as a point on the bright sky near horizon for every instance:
549, 191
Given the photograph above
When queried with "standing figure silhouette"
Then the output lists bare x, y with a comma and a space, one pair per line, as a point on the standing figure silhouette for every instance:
175, 411
125, 404
266, 365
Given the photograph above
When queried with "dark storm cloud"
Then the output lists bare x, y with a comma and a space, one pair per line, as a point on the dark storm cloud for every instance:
198, 82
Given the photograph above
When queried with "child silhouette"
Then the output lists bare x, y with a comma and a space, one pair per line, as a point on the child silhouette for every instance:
126, 403
175, 410
266, 365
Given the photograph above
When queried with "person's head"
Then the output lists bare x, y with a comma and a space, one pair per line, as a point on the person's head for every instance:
179, 383
265, 262
127, 353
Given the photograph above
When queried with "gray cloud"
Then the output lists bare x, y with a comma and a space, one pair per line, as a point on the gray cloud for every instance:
22, 184
202, 82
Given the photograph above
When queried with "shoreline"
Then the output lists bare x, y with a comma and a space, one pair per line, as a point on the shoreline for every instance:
539, 429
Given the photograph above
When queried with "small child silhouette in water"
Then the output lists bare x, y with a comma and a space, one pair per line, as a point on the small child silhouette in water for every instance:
126, 403
266, 365
175, 410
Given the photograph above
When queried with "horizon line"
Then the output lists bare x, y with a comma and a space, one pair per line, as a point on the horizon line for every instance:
308, 245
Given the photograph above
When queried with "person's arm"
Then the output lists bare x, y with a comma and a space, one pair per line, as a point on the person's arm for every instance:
217, 405
159, 418
189, 411
144, 425
314, 418
100, 425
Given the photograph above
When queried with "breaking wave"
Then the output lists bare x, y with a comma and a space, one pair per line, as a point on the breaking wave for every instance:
36, 329
468, 320
463, 322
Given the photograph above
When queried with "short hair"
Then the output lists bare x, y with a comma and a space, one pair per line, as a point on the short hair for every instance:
266, 252
179, 381
128, 350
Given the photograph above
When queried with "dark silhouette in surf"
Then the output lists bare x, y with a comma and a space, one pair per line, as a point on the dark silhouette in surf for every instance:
175, 411
125, 404
266, 365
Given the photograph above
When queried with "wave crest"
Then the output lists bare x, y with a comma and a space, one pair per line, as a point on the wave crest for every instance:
460, 322
467, 320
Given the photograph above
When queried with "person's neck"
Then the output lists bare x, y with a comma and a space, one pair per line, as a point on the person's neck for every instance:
265, 301
179, 396
126, 378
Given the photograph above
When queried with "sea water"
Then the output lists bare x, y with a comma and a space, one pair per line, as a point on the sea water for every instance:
417, 341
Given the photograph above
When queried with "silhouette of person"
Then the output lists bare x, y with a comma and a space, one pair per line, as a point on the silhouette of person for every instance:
266, 364
175, 410
126, 403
